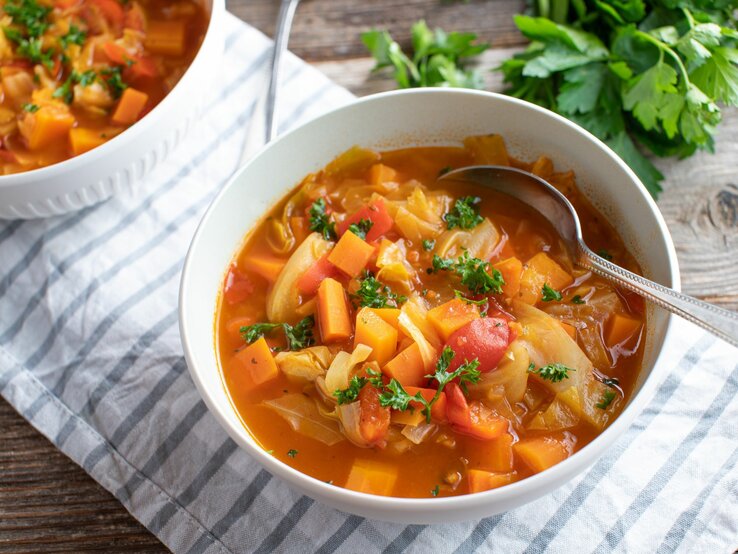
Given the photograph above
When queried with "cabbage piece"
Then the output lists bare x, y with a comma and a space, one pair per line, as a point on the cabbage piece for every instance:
480, 241
413, 228
350, 416
509, 379
303, 416
339, 373
307, 364
547, 343
414, 323
563, 413
284, 298
419, 433
426, 208
353, 159
393, 265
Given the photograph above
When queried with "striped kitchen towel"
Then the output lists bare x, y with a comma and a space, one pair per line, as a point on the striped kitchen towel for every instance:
90, 355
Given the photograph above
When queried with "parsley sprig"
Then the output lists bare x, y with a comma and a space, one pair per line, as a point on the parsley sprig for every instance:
350, 393
65, 90
75, 35
298, 336
373, 294
320, 220
634, 73
550, 294
464, 214
551, 372
607, 397
31, 20
437, 60
361, 228
477, 275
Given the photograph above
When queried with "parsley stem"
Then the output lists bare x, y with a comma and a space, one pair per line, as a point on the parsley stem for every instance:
663, 47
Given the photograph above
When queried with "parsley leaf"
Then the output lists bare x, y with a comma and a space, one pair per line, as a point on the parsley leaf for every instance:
437, 59
351, 393
298, 336
396, 397
29, 14
292, 453
30, 108
602, 253
429, 245
550, 294
75, 35
576, 299
477, 275
466, 373
465, 213
373, 294
551, 372
114, 80
361, 228
607, 397
320, 220
435, 490
460, 295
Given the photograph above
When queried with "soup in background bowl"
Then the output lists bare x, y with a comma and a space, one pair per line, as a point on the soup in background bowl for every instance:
392, 122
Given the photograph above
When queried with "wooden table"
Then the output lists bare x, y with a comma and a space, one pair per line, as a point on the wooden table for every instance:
47, 503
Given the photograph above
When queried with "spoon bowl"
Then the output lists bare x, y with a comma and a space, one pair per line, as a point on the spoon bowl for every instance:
551, 204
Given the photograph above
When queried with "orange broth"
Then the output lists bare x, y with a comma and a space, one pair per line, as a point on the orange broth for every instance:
514, 434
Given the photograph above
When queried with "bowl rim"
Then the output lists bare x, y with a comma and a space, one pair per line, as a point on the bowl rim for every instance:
544, 481
76, 163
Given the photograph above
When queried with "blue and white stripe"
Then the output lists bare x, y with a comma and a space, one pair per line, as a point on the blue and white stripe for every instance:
90, 355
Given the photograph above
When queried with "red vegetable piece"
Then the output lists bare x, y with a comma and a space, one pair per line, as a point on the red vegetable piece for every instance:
485, 339
457, 409
237, 287
377, 213
309, 282
374, 421
111, 10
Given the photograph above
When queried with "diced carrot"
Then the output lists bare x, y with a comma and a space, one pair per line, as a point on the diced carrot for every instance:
390, 315
376, 333
111, 10
438, 409
407, 417
377, 213
543, 167
238, 287
351, 254
309, 281
165, 37
452, 316
480, 480
135, 66
372, 477
333, 313
484, 424
374, 420
407, 367
267, 266
542, 452
570, 330
233, 327
46, 126
130, 106
488, 149
540, 270
511, 270
84, 140
380, 174
494, 455
257, 361
621, 329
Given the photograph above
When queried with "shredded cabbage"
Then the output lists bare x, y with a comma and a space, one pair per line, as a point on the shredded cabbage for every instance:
303, 416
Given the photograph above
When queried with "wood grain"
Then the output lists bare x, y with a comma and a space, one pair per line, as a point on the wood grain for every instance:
48, 504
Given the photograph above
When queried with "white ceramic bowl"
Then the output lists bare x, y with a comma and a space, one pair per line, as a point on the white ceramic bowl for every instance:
121, 163
411, 118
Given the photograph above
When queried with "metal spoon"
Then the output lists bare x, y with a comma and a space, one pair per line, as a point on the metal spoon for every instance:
543, 197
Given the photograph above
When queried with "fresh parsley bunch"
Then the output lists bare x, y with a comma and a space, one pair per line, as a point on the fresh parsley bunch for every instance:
634, 73
438, 58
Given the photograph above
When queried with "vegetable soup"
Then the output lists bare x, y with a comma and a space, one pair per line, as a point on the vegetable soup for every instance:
386, 333
76, 73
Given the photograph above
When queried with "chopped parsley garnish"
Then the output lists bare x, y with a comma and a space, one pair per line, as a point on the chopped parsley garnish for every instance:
550, 294
75, 35
30, 48
435, 490
31, 108
607, 397
577, 300
460, 295
292, 453
114, 80
445, 170
373, 294
361, 228
465, 213
396, 397
473, 272
320, 220
602, 253
351, 393
611, 381
429, 245
551, 372
33, 17
298, 336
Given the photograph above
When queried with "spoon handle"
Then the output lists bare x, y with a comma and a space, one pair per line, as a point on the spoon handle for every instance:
720, 322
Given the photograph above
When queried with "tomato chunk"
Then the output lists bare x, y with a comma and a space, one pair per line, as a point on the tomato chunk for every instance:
457, 409
377, 213
309, 282
485, 339
238, 287
375, 420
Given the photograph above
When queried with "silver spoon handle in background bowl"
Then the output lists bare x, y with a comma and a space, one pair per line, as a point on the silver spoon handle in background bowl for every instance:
718, 321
